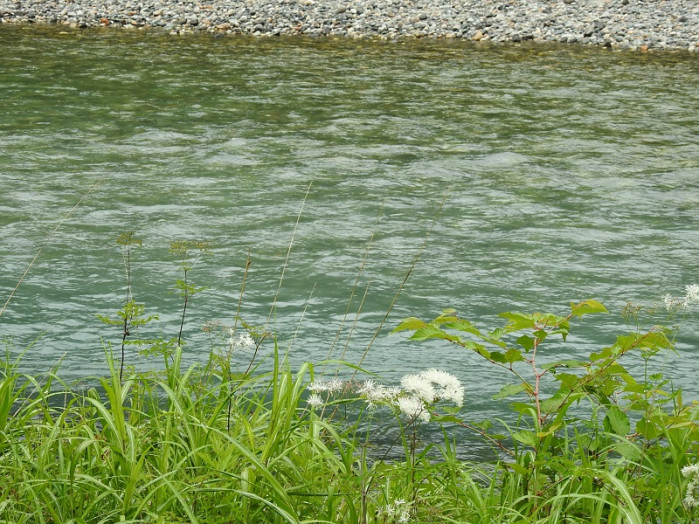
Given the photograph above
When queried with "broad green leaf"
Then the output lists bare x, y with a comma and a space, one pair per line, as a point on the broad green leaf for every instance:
523, 407
509, 391
617, 422
556, 401
566, 364
526, 342
513, 355
647, 429
496, 356
428, 331
655, 341
497, 333
550, 430
541, 334
478, 348
446, 418
628, 451
519, 469
567, 379
411, 323
525, 437
482, 351
462, 325
587, 307
518, 321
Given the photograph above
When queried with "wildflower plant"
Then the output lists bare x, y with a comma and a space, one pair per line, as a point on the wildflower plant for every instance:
691, 472
643, 427
398, 511
690, 299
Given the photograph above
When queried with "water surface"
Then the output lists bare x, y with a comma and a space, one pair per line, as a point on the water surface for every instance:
566, 173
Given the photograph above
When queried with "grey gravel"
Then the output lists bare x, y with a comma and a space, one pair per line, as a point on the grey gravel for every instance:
624, 24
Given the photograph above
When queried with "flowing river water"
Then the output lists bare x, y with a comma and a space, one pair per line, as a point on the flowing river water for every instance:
546, 175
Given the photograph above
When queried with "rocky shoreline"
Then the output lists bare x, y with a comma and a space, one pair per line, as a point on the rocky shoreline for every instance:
624, 24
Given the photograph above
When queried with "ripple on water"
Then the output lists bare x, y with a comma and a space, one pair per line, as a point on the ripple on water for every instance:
569, 174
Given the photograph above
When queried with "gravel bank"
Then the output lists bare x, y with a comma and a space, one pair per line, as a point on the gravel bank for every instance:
627, 24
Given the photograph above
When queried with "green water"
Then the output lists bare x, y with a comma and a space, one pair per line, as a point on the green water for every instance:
568, 174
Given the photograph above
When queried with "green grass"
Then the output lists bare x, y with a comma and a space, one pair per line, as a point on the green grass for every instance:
163, 448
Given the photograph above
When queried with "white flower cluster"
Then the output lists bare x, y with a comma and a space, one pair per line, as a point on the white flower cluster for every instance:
416, 394
375, 393
692, 473
433, 385
399, 511
691, 297
241, 341
329, 386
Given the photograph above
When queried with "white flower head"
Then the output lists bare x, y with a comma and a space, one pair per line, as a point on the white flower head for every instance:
433, 385
413, 408
376, 393
241, 341
315, 400
329, 386
691, 295
691, 472
419, 386
366, 387
335, 385
398, 511
669, 302
447, 385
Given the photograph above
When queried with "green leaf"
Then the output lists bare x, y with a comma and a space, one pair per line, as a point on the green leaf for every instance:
567, 379
446, 418
411, 323
519, 469
647, 429
525, 437
509, 390
523, 407
462, 325
628, 451
565, 364
429, 331
513, 355
497, 333
498, 357
617, 422
518, 321
542, 334
587, 307
526, 342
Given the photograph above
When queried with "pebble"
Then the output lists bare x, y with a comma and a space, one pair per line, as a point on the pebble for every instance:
623, 24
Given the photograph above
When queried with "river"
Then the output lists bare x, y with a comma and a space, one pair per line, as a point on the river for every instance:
499, 177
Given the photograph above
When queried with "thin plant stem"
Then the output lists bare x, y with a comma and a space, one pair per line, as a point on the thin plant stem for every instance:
184, 308
288, 254
242, 291
402, 284
46, 241
354, 324
352, 293
127, 316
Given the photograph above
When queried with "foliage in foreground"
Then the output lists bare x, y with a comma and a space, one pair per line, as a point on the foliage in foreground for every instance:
208, 445
590, 442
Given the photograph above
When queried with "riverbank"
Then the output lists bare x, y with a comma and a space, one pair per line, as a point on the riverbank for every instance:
623, 24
